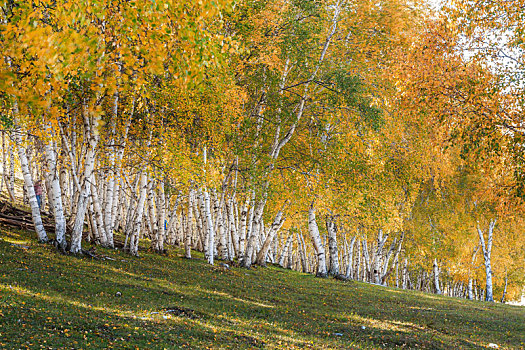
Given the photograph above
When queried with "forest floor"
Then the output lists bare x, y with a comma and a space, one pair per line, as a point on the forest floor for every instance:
55, 301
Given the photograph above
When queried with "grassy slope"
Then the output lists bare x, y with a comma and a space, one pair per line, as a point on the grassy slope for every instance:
51, 300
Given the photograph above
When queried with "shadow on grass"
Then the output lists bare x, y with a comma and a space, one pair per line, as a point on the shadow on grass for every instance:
59, 300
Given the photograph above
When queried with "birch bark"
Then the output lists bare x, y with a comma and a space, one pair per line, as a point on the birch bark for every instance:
395, 263
28, 181
378, 255
110, 189
366, 261
173, 220
274, 228
200, 221
55, 193
243, 226
26, 172
99, 217
436, 277
350, 259
189, 230
284, 251
318, 243
152, 214
405, 274
161, 224
250, 236
134, 239
202, 214
332, 246
359, 255
233, 227
221, 231
11, 177
487, 251
4, 163
302, 252
472, 262
92, 226
210, 229
92, 136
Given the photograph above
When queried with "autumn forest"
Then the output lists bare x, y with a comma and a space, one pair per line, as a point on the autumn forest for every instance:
375, 141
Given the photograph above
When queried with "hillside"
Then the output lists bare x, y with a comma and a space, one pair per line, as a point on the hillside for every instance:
55, 301
335, 138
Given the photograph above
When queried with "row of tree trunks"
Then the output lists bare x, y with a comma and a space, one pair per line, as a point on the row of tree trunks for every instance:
84, 192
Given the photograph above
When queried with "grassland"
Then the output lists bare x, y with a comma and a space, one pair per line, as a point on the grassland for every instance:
49, 300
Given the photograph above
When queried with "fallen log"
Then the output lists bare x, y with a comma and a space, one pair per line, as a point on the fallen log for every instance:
12, 216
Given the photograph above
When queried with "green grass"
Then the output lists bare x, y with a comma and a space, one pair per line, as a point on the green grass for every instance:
54, 301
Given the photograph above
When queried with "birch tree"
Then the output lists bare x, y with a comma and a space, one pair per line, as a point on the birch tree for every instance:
486, 248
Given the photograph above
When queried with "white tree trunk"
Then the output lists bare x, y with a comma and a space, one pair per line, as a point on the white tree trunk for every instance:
200, 220
161, 209
99, 218
189, 229
11, 177
152, 215
4, 163
302, 252
110, 193
436, 277
55, 194
378, 255
28, 181
274, 228
221, 231
366, 261
64, 189
289, 264
243, 227
83, 200
405, 274
173, 221
202, 214
332, 246
487, 250
179, 228
318, 243
255, 220
135, 236
284, 251
472, 262
350, 258
386, 270
210, 229
359, 255
233, 227
396, 264
132, 207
